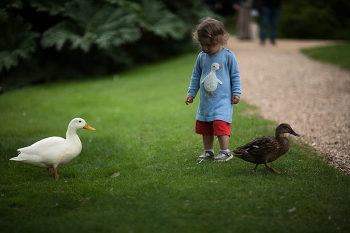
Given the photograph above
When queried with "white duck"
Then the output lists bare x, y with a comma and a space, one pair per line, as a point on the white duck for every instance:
211, 81
54, 151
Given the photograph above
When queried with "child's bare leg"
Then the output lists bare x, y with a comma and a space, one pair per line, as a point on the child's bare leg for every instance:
208, 142
224, 142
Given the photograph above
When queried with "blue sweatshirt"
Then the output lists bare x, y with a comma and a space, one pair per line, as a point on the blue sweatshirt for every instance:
218, 107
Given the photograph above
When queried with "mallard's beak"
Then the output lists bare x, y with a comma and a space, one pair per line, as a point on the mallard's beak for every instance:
295, 134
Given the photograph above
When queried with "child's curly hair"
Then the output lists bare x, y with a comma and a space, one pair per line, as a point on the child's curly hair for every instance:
213, 29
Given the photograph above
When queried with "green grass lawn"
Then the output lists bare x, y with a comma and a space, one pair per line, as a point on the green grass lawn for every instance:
335, 54
138, 171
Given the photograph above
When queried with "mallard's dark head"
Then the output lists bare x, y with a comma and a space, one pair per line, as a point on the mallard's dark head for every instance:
285, 128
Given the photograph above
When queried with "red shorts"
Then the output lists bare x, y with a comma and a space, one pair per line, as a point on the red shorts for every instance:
216, 128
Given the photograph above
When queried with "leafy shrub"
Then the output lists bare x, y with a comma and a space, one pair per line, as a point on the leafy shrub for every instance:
66, 39
316, 19
18, 42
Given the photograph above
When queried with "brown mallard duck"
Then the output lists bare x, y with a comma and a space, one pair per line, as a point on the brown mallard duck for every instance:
267, 148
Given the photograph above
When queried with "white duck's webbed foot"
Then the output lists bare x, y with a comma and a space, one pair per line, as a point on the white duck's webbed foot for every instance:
56, 173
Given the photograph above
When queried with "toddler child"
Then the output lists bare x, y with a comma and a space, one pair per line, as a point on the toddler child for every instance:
217, 76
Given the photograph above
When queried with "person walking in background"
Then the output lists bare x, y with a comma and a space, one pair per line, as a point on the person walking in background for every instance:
243, 9
214, 5
217, 76
270, 13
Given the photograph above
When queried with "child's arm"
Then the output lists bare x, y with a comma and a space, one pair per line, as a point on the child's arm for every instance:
236, 86
194, 83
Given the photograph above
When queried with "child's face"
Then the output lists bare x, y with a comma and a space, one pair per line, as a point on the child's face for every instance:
208, 47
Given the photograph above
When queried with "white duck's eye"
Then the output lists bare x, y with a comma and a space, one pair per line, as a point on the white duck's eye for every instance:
79, 121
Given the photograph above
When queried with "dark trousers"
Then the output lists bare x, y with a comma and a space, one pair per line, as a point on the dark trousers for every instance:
269, 17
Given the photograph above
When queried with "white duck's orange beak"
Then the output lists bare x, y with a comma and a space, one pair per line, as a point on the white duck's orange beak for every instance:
88, 127
220, 67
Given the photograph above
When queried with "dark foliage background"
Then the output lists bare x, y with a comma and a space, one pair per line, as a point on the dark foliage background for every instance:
315, 19
44, 40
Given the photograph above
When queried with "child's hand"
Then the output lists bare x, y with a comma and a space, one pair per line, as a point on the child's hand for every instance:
189, 100
235, 99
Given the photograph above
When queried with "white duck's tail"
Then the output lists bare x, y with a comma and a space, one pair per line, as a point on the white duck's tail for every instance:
17, 159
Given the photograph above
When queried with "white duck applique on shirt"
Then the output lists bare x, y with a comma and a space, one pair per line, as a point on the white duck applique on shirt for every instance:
211, 81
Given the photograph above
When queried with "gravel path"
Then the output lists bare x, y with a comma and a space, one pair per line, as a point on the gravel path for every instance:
313, 97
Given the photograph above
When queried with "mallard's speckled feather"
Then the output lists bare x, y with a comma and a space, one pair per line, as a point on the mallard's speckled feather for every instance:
267, 148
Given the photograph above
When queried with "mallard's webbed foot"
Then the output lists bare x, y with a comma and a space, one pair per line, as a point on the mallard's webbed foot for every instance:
272, 169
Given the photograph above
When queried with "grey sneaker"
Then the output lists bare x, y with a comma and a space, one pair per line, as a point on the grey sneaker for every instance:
207, 155
224, 156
